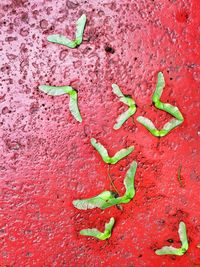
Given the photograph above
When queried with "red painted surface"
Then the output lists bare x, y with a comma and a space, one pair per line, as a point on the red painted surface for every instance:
46, 157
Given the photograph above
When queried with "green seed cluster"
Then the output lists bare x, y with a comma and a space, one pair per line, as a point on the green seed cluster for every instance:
108, 199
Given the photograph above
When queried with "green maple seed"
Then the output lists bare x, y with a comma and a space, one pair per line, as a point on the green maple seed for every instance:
61, 90
96, 233
108, 199
169, 250
198, 246
94, 202
104, 153
80, 26
159, 88
126, 100
149, 125
61, 39
174, 111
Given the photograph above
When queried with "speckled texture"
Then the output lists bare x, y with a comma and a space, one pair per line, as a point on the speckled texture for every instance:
46, 158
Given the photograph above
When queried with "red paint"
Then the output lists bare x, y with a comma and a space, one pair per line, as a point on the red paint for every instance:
182, 16
46, 157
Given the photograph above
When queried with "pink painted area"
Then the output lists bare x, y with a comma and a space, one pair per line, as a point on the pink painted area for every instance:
46, 158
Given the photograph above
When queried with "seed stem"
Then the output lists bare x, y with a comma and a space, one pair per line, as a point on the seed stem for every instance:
111, 180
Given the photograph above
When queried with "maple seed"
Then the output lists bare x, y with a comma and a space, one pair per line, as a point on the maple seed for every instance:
61, 39
96, 233
108, 199
127, 100
174, 111
169, 250
61, 90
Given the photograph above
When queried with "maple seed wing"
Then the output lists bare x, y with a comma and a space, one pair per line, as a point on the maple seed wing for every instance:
101, 149
112, 202
169, 250
55, 90
173, 110
62, 40
109, 227
117, 91
159, 88
148, 124
129, 181
90, 232
94, 202
73, 106
183, 235
127, 100
121, 154
122, 118
171, 125
80, 25
96, 233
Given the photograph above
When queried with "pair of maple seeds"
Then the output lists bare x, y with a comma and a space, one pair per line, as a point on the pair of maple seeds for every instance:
147, 123
107, 199
166, 250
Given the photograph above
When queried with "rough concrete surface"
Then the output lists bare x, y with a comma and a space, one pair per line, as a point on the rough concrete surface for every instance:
46, 159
